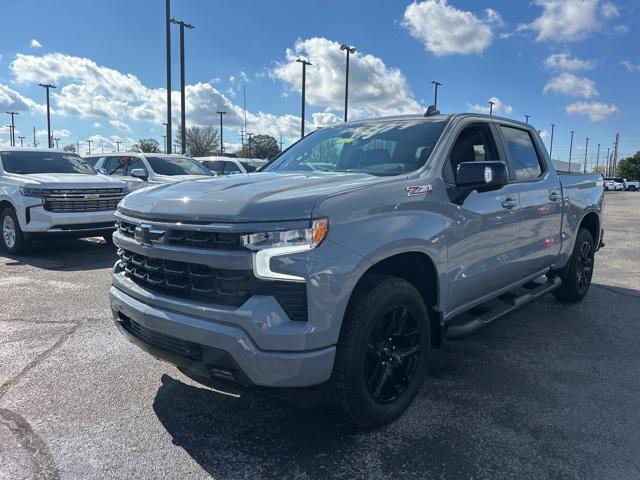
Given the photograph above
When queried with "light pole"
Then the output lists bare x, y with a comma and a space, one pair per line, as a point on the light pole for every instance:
553, 128
21, 140
249, 136
183, 136
13, 128
77, 147
89, 142
526, 118
47, 87
221, 137
304, 80
350, 51
164, 139
608, 168
491, 104
586, 149
57, 140
598, 158
118, 142
571, 150
167, 21
436, 84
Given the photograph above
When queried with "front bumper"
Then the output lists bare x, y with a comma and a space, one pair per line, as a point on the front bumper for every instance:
34, 219
216, 350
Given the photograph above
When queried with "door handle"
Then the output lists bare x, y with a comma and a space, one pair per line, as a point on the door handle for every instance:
509, 203
555, 196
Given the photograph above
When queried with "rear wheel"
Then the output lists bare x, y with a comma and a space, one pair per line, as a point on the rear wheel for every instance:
382, 352
12, 239
576, 277
632, 188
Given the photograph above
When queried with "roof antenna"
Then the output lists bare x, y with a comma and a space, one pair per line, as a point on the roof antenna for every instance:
432, 110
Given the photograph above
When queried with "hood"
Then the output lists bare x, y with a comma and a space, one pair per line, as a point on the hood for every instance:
67, 180
158, 179
256, 197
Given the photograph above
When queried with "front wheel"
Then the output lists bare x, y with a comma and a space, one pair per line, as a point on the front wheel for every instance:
576, 277
12, 239
381, 356
632, 188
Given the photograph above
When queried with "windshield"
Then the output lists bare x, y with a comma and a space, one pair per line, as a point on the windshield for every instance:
176, 166
377, 148
44, 162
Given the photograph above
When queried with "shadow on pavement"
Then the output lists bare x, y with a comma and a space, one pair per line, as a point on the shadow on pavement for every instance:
66, 254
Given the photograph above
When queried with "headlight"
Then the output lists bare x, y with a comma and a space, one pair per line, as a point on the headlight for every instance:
267, 245
31, 192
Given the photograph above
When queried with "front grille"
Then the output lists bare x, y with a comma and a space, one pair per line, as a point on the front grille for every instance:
209, 285
65, 206
190, 238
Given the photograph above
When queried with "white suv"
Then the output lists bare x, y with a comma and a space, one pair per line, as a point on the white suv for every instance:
230, 166
45, 192
144, 169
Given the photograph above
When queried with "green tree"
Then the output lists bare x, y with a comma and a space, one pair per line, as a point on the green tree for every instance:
146, 145
262, 146
599, 169
69, 148
629, 167
201, 140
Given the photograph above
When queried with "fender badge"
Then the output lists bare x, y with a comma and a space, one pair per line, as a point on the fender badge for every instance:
419, 190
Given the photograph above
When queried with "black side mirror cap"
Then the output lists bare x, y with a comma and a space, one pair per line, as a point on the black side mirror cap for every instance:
479, 176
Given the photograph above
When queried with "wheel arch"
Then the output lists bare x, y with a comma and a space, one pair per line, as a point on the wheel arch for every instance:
591, 222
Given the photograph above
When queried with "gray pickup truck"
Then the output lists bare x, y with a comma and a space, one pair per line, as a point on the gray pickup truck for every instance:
351, 255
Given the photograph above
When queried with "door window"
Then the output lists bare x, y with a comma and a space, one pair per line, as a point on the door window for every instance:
136, 163
230, 167
216, 166
474, 144
525, 162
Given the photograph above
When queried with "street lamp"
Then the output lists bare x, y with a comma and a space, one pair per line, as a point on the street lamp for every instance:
553, 127
57, 140
597, 159
249, 136
183, 137
10, 133
221, 137
89, 141
21, 140
436, 84
571, 150
304, 81
47, 87
526, 118
13, 128
586, 149
350, 51
491, 104
118, 142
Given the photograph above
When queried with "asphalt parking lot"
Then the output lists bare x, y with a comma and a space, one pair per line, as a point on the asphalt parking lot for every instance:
551, 392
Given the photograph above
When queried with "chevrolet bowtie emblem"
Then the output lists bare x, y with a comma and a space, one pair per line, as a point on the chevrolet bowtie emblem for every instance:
92, 196
146, 234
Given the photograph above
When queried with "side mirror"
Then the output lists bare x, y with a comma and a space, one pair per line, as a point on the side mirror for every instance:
139, 173
482, 176
102, 170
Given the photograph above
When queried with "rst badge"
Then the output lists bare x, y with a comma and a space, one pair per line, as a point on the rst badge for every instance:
419, 190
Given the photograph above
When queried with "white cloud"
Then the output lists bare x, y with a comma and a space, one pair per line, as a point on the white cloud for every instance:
97, 124
118, 125
374, 88
596, 111
630, 66
35, 43
445, 30
564, 61
63, 133
544, 135
12, 100
498, 107
569, 20
569, 84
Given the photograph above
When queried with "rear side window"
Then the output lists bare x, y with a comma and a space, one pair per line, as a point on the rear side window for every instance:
525, 162
230, 167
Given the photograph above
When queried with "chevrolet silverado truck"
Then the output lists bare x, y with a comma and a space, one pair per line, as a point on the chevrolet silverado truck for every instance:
47, 192
347, 258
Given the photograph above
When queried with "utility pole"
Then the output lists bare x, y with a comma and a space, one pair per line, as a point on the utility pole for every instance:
598, 158
615, 155
242, 138
89, 142
607, 170
77, 147
526, 118
280, 141
221, 113
10, 135
164, 138
553, 127
183, 136
35, 143
436, 84
244, 99
250, 136
47, 87
168, 48
350, 51
13, 128
304, 81
118, 142
21, 140
586, 149
571, 150
491, 103
57, 140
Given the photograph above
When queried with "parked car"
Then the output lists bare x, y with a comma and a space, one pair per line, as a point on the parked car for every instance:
631, 185
47, 192
360, 248
231, 166
144, 169
614, 184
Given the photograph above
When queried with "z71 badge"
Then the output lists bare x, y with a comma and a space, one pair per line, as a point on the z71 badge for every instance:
419, 190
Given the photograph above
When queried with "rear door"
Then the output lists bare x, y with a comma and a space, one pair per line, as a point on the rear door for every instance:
540, 196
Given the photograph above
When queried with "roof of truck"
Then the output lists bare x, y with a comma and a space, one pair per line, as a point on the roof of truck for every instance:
440, 117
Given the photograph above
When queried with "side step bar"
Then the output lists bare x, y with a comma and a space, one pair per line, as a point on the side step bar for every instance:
526, 294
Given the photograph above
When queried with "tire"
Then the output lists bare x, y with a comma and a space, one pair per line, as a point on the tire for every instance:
11, 236
108, 237
632, 188
381, 356
576, 277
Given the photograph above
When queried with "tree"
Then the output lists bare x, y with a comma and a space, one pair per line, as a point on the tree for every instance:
201, 140
146, 145
262, 146
629, 167
69, 148
599, 170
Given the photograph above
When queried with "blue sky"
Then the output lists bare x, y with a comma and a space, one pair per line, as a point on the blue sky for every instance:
575, 63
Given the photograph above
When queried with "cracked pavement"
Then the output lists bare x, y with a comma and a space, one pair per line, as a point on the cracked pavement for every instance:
550, 392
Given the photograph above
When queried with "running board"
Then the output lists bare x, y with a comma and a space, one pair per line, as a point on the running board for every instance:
508, 303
